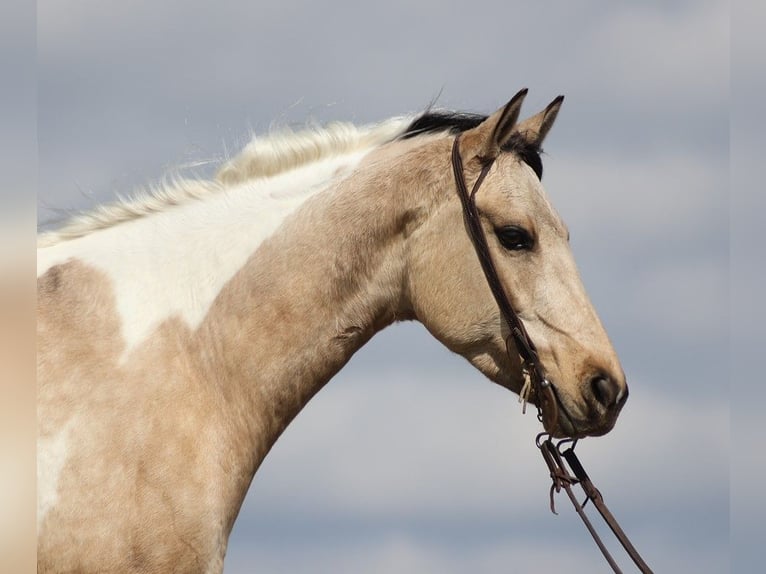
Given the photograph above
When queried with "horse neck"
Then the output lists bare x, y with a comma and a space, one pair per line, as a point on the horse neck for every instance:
314, 292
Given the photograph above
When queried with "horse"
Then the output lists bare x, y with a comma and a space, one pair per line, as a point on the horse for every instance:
180, 331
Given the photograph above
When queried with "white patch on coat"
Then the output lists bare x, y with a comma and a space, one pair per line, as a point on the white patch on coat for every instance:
176, 261
52, 454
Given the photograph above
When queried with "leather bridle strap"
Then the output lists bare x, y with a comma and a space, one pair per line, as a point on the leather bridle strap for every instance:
546, 398
562, 479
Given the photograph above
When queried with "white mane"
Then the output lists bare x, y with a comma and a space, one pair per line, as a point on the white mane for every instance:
284, 150
263, 157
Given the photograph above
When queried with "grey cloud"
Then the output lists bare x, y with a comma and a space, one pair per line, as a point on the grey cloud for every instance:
667, 197
336, 512
141, 72
409, 434
401, 550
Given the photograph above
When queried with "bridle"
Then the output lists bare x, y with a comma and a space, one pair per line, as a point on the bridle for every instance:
546, 399
549, 405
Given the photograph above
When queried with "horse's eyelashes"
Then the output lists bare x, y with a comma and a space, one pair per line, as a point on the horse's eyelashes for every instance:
514, 238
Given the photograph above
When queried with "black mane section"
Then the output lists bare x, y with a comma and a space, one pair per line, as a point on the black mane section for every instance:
458, 122
442, 121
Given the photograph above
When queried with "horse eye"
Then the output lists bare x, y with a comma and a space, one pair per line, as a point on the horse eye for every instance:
514, 238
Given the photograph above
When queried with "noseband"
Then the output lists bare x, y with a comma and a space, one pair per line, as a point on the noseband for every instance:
546, 397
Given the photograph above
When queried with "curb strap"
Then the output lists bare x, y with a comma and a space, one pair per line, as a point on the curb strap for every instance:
554, 458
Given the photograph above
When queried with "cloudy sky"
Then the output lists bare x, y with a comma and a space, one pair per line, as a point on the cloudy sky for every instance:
409, 461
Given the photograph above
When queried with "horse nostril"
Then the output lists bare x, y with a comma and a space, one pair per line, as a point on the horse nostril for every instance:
606, 391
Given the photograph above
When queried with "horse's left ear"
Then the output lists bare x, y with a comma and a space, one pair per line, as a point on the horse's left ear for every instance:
533, 130
486, 140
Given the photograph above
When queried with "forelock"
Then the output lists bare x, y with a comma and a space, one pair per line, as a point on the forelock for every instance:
527, 152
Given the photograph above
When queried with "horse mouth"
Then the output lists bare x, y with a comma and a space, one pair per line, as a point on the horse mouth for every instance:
567, 418
564, 420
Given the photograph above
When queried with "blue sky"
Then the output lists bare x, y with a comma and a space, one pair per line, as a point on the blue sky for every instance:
409, 461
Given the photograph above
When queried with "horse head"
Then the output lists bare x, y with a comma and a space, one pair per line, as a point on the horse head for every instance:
529, 245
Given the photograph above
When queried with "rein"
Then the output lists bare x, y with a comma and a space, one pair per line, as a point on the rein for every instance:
546, 398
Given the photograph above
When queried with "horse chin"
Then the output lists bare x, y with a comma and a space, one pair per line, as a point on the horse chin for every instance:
561, 427
564, 427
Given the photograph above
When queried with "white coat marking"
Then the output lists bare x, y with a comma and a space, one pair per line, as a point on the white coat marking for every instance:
154, 262
52, 454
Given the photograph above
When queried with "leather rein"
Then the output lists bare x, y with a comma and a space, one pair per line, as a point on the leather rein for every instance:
549, 406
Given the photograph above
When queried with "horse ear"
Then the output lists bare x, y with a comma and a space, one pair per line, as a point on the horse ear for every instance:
503, 121
533, 130
487, 139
